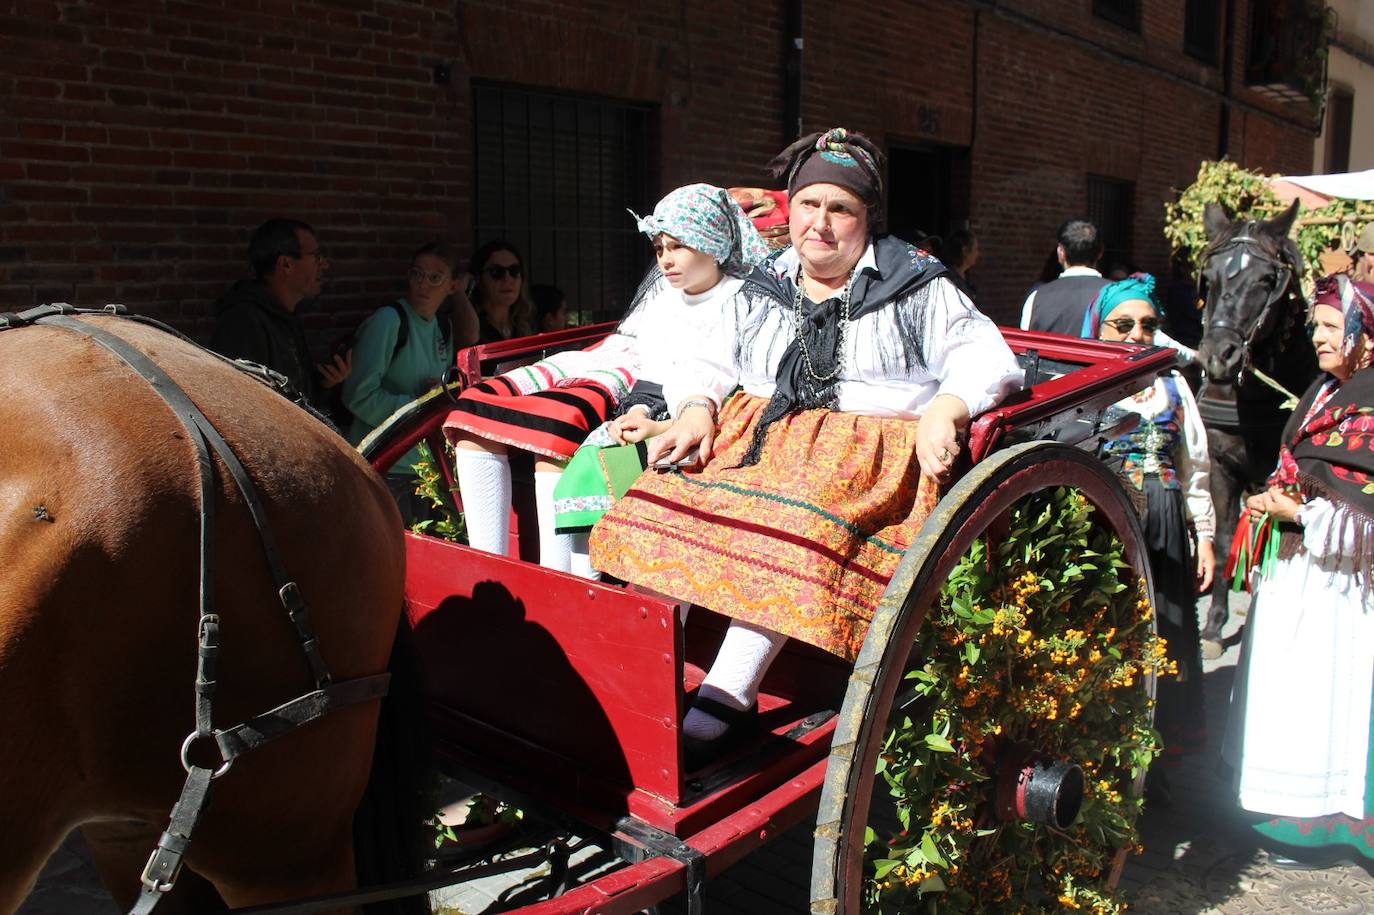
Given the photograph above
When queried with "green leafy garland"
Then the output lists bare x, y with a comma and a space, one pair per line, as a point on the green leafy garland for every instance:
1043, 636
1247, 195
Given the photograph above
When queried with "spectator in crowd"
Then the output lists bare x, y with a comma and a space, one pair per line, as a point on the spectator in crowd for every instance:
503, 308
402, 350
1165, 458
550, 308
257, 320
1119, 270
1300, 739
1362, 268
1060, 305
960, 254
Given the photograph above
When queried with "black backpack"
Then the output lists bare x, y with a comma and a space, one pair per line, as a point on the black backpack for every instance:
342, 416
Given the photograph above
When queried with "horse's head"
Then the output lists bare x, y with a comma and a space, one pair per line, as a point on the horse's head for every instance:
1250, 268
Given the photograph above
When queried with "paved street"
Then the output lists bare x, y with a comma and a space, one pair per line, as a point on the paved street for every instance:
1199, 859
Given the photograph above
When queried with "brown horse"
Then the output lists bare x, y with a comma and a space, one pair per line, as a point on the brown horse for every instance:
99, 518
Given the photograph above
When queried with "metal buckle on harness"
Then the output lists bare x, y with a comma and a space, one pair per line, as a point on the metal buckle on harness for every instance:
290, 594
155, 861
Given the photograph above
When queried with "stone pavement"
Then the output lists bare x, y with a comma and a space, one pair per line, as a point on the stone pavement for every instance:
1199, 859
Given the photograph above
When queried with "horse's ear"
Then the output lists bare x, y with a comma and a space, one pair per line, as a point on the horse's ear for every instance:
1279, 226
1215, 221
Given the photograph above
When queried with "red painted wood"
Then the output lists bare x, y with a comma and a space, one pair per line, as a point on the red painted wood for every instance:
588, 672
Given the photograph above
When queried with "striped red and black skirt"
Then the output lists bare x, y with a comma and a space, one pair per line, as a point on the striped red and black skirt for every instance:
552, 422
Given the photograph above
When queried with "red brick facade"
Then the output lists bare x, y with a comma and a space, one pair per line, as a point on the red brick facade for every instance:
141, 142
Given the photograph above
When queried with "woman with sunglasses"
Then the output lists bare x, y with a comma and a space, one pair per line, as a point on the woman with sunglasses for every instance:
1300, 735
503, 308
1165, 458
392, 366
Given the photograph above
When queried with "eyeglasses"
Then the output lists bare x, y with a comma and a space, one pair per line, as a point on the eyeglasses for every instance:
432, 277
317, 254
499, 271
1126, 325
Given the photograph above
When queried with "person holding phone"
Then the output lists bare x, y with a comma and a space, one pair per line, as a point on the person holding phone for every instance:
703, 243
859, 363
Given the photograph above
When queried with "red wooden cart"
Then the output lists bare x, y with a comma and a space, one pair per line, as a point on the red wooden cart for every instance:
563, 695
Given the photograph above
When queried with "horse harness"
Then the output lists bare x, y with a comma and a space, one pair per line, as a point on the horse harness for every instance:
1239, 259
164, 865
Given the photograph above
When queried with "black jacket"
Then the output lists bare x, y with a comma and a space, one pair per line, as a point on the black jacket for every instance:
250, 324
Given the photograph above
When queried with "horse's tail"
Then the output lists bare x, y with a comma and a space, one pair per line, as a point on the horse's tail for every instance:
390, 839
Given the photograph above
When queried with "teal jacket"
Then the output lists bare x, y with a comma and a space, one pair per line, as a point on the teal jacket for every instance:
379, 384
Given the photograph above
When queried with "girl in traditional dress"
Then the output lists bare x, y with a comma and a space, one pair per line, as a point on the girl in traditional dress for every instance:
859, 363
1301, 710
1165, 457
703, 243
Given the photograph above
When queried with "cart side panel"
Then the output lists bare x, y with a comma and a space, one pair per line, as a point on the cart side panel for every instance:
561, 675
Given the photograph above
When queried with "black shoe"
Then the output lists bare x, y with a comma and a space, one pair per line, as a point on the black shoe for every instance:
699, 752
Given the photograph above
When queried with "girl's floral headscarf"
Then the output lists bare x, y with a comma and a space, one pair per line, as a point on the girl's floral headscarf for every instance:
706, 218
1135, 286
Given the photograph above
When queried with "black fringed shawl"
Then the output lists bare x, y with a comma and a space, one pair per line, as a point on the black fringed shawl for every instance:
902, 270
1331, 456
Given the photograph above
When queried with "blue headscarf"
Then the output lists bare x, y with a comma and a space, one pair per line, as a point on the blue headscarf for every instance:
706, 218
1135, 286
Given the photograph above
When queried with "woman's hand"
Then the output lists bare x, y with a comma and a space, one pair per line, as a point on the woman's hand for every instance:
1206, 565
937, 436
635, 427
695, 427
1274, 502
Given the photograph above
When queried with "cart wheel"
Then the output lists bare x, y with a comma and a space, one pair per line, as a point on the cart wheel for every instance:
973, 768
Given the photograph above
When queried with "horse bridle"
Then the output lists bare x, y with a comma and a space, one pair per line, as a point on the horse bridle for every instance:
164, 864
1239, 259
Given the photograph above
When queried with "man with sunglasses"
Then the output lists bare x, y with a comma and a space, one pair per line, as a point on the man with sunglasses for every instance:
256, 319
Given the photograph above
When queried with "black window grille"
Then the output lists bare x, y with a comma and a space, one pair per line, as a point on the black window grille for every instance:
1125, 13
1110, 203
554, 174
1202, 30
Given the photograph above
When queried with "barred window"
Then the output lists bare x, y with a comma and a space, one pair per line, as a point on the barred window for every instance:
553, 174
1110, 205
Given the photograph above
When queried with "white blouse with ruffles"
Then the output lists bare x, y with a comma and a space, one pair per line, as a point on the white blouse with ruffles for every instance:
964, 355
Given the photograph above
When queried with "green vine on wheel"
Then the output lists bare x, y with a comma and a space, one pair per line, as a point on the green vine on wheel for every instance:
1041, 636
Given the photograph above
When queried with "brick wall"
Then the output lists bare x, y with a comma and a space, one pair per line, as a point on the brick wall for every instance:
141, 142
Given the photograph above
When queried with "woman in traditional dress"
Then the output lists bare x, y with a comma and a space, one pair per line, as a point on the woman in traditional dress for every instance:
1165, 457
859, 363
1302, 700
703, 244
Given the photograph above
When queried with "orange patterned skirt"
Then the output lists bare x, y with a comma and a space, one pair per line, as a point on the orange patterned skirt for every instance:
803, 543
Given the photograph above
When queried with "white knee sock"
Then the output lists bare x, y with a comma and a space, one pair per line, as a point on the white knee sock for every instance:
484, 484
555, 549
581, 556
734, 678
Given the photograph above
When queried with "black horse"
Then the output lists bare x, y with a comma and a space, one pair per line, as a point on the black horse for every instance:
1254, 355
